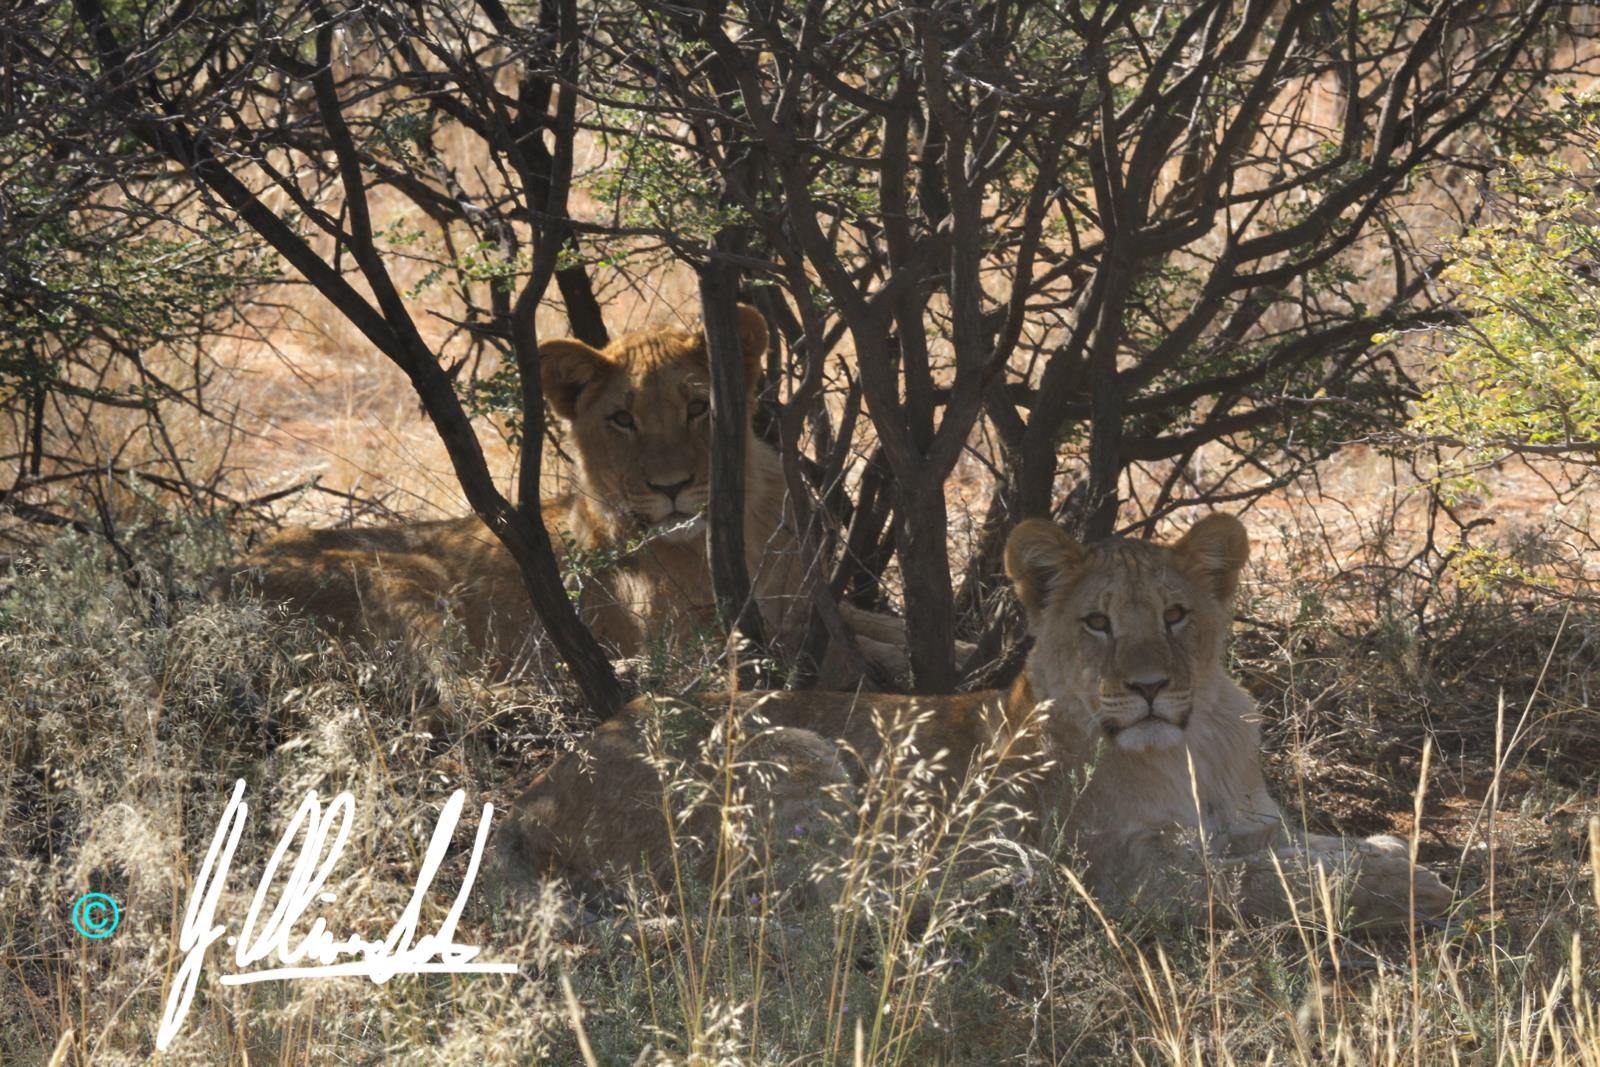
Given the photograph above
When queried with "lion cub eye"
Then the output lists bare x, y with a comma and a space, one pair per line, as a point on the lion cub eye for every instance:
622, 420
697, 407
1175, 614
1097, 621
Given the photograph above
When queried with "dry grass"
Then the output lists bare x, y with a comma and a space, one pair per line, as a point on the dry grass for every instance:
125, 717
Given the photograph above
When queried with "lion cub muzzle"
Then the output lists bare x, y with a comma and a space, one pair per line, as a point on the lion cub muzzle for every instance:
1146, 714
673, 510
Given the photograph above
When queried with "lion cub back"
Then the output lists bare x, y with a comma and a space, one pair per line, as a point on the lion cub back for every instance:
601, 810
395, 583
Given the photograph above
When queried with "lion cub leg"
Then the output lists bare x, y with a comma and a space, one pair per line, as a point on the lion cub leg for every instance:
1371, 881
1382, 880
649, 795
882, 641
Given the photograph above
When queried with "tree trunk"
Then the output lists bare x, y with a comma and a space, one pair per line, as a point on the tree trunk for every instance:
921, 529
730, 577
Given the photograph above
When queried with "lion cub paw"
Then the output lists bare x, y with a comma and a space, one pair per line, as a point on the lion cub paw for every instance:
1387, 884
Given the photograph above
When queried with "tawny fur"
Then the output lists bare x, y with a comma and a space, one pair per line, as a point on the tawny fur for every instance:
636, 416
1111, 762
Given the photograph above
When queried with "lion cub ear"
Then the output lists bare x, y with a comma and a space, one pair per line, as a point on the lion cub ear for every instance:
1040, 556
753, 341
1213, 553
566, 368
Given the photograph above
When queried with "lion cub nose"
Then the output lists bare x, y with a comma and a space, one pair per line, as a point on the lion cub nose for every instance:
672, 489
1148, 690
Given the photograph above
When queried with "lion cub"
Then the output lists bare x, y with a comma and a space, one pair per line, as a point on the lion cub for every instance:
637, 417
1125, 735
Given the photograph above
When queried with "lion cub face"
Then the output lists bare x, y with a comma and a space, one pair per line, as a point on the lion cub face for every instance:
1127, 634
639, 414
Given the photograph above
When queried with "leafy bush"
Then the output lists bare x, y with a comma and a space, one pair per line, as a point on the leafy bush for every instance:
1521, 372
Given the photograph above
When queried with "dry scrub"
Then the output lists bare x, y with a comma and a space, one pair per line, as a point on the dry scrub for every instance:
125, 715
